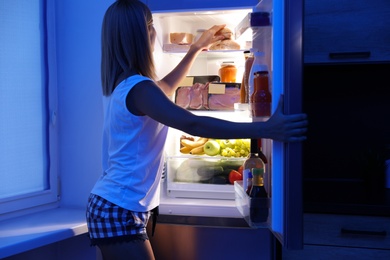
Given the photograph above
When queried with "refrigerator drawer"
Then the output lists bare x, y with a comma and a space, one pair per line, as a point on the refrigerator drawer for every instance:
256, 211
201, 177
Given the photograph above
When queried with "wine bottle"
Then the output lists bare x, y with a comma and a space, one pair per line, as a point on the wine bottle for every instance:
258, 190
259, 208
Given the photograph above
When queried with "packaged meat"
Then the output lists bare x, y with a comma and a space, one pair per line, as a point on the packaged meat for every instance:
220, 96
194, 92
223, 96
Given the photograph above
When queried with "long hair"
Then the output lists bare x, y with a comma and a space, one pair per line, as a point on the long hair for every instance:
126, 44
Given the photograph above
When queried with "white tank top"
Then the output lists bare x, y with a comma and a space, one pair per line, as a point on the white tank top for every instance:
132, 153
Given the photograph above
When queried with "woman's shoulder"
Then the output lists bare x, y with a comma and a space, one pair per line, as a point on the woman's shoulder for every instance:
136, 78
131, 81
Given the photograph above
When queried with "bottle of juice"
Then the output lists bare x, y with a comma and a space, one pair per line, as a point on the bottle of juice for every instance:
248, 67
244, 83
261, 97
259, 64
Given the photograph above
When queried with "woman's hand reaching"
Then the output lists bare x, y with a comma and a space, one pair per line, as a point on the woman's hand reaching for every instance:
285, 128
209, 37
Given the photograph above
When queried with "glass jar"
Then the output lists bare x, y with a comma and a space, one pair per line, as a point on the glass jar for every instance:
228, 72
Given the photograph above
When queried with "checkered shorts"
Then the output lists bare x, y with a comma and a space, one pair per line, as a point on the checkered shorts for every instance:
109, 223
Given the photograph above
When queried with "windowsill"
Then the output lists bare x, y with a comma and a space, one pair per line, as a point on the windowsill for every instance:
39, 229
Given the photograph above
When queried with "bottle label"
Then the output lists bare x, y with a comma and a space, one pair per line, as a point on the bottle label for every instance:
245, 174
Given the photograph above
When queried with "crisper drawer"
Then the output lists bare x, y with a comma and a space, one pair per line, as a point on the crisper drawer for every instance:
201, 177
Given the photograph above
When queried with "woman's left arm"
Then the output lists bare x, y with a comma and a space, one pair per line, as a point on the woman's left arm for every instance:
171, 81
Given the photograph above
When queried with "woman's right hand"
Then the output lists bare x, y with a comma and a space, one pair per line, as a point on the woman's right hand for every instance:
285, 128
209, 37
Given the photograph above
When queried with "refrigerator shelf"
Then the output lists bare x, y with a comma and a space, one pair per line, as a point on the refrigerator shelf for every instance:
183, 48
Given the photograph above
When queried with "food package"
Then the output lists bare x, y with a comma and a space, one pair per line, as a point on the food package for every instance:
209, 96
193, 93
226, 44
181, 38
222, 96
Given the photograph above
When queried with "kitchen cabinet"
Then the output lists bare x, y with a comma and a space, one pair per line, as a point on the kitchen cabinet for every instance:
345, 93
338, 31
348, 139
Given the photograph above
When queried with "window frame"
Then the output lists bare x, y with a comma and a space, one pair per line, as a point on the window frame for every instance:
47, 199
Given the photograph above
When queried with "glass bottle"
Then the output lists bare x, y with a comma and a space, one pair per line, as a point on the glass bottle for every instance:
259, 208
244, 83
258, 190
261, 97
258, 65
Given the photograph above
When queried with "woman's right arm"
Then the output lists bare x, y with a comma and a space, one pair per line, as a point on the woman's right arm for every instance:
171, 81
149, 99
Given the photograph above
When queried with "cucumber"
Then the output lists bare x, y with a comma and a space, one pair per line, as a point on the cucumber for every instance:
219, 180
207, 172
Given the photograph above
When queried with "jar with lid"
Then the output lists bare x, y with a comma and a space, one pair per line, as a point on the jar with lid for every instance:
228, 72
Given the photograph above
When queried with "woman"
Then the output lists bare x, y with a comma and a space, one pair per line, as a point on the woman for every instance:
137, 115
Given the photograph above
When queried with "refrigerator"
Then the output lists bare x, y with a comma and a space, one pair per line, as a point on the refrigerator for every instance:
210, 221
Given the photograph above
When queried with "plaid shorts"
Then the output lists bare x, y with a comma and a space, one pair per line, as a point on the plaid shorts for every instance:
109, 223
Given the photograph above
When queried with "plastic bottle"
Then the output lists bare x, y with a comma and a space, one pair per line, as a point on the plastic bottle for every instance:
258, 65
253, 161
249, 183
261, 97
261, 25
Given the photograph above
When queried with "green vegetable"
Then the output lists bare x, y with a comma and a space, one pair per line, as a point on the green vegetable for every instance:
207, 172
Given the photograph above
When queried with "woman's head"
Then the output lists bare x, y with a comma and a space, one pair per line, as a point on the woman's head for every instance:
127, 42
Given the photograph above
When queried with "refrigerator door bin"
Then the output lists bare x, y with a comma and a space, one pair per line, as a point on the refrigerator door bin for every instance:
256, 211
201, 177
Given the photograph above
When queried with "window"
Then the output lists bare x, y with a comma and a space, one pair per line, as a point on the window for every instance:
27, 106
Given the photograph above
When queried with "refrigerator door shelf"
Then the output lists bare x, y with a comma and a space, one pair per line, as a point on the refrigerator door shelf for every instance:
246, 205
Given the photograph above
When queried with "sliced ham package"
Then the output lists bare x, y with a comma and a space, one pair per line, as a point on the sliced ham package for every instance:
208, 96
